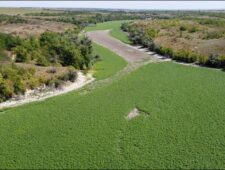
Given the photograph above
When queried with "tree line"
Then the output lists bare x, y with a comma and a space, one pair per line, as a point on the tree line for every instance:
146, 37
11, 19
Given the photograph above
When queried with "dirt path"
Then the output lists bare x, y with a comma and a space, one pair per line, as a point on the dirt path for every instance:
130, 53
134, 55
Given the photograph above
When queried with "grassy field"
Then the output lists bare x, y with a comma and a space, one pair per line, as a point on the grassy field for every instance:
110, 62
114, 26
182, 125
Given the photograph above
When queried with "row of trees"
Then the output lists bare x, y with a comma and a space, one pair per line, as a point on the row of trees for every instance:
11, 19
146, 38
84, 19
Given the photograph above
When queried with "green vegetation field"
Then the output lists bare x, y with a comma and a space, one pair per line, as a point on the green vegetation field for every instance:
182, 125
114, 26
109, 64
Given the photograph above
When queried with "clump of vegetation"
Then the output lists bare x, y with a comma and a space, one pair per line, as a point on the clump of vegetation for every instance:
8, 41
213, 22
52, 48
15, 80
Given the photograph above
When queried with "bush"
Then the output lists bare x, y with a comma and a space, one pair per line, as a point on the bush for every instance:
19, 86
185, 56
202, 59
182, 28
58, 83
72, 76
14, 80
97, 57
21, 54
192, 29
168, 52
6, 90
42, 61
222, 61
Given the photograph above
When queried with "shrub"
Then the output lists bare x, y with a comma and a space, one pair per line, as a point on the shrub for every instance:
202, 59
192, 29
21, 54
182, 28
6, 90
168, 52
3, 56
97, 57
58, 83
222, 61
19, 86
72, 76
184, 55
42, 61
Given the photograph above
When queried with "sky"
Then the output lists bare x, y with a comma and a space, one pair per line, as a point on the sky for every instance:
119, 4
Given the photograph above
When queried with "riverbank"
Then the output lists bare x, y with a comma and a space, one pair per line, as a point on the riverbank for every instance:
44, 92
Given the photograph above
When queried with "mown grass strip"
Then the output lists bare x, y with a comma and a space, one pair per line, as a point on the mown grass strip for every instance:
109, 64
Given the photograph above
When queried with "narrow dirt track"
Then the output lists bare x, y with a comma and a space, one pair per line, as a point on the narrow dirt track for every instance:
135, 56
128, 52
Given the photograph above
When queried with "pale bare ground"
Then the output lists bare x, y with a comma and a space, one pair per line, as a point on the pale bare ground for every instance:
37, 95
133, 113
134, 55
130, 53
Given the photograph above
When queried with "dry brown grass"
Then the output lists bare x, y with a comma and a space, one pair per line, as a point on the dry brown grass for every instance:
46, 73
169, 35
22, 11
34, 27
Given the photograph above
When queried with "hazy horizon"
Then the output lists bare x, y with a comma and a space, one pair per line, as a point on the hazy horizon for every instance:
133, 5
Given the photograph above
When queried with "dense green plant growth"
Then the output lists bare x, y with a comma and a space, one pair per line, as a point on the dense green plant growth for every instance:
108, 63
52, 48
15, 80
182, 125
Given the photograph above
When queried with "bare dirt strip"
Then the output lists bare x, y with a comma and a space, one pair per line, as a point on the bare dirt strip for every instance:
128, 52
134, 55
